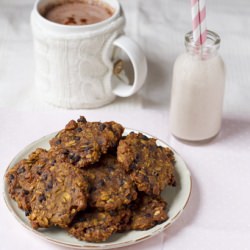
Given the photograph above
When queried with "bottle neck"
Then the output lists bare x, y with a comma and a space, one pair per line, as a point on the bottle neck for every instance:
205, 51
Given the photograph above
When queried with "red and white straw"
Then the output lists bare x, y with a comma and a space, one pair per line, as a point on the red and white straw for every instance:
199, 21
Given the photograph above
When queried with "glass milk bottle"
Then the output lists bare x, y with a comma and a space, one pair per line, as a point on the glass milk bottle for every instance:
197, 90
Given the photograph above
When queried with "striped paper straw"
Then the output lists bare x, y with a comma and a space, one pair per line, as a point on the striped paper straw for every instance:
199, 21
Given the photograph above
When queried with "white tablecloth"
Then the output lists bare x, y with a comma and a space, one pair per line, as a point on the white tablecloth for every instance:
217, 216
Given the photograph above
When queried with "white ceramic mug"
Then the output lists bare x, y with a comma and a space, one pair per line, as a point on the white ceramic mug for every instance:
75, 64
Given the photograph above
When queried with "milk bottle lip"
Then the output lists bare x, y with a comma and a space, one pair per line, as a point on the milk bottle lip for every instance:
71, 28
213, 39
205, 51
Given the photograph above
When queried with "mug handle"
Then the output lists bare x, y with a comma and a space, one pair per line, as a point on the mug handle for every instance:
139, 62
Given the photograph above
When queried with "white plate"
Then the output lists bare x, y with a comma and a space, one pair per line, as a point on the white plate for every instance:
176, 197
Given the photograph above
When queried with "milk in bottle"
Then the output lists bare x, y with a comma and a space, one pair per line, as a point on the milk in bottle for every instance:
197, 90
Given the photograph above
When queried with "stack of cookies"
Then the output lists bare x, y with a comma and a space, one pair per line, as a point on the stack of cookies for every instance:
93, 181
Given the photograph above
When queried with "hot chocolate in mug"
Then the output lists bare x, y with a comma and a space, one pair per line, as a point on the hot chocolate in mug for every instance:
75, 65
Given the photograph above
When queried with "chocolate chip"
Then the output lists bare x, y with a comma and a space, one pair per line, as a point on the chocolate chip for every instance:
42, 198
11, 177
82, 119
26, 192
137, 158
65, 151
21, 170
77, 138
78, 129
44, 177
53, 162
39, 171
144, 137
27, 213
58, 142
132, 166
76, 158
49, 186
102, 126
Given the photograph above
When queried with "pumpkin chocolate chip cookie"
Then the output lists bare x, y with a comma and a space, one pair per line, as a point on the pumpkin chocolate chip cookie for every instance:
23, 176
150, 166
110, 186
147, 212
97, 226
60, 193
82, 143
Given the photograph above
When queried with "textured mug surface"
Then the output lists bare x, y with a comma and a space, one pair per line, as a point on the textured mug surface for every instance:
73, 64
